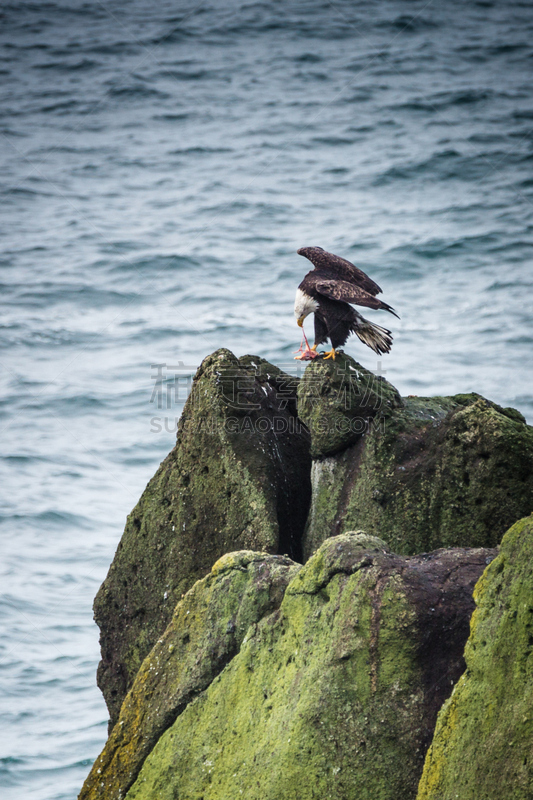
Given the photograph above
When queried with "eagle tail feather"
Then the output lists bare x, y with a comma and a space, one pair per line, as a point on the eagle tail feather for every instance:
374, 336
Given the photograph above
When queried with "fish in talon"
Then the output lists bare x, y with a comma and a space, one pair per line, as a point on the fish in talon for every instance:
309, 353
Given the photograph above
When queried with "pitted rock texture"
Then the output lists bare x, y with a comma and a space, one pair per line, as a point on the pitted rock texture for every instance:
204, 634
238, 478
433, 472
341, 400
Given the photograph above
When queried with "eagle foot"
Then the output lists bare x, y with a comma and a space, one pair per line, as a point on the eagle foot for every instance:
331, 354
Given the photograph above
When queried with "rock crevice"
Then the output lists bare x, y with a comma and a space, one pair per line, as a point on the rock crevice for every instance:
238, 478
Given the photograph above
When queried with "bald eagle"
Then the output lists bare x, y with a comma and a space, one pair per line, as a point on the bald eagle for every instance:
327, 291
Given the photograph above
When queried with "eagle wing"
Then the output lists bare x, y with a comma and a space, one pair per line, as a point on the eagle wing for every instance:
348, 293
340, 267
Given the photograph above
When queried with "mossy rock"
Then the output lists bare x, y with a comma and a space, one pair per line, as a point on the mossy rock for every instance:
204, 634
483, 743
335, 694
338, 400
238, 478
436, 472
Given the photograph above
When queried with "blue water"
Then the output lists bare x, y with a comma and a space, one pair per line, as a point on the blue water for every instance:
161, 164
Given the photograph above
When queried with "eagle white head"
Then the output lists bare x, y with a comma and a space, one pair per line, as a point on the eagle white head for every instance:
303, 306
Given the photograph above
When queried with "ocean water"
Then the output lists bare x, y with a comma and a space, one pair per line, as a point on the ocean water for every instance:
161, 163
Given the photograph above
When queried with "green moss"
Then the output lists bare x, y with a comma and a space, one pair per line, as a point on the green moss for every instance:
338, 399
326, 697
206, 630
238, 478
484, 735
348, 553
439, 472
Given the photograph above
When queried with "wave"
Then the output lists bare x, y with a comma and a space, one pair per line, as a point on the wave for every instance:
136, 92
121, 48
333, 141
405, 23
23, 191
46, 294
65, 66
199, 150
173, 117
441, 101
17, 334
159, 263
222, 26
450, 164
441, 248
49, 520
522, 286
187, 75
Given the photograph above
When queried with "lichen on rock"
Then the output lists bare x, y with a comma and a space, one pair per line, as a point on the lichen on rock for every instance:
333, 695
238, 478
205, 632
339, 401
482, 747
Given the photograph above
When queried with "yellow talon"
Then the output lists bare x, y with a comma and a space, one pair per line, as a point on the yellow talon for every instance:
331, 354
314, 347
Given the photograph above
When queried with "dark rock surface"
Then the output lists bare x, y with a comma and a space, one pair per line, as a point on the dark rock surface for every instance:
238, 478
483, 743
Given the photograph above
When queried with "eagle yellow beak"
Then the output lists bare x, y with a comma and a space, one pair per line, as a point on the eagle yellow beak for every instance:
300, 321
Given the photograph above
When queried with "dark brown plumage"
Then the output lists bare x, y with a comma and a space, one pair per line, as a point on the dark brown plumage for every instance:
328, 291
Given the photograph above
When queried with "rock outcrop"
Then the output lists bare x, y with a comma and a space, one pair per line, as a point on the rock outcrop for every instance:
422, 473
483, 743
263, 678
340, 401
238, 478
206, 631
335, 694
